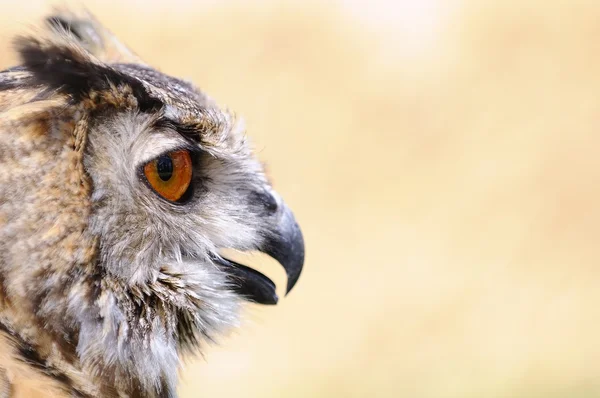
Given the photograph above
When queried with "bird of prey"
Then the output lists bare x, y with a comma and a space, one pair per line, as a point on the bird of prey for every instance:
120, 187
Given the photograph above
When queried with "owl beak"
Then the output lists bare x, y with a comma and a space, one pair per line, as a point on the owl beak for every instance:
286, 245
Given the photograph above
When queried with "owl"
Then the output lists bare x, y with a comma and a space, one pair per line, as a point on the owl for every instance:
120, 186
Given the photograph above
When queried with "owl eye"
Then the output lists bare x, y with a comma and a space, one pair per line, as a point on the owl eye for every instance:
170, 174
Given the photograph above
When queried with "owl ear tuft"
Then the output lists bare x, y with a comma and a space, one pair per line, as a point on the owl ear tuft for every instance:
90, 34
60, 24
62, 64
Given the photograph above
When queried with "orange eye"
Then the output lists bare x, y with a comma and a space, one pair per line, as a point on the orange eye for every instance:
170, 174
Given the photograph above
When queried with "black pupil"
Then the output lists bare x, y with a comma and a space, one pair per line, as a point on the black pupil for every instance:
164, 167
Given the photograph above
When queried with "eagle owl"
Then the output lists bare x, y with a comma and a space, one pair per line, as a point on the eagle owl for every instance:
119, 188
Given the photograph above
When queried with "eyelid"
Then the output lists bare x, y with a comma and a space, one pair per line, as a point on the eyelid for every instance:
176, 146
193, 150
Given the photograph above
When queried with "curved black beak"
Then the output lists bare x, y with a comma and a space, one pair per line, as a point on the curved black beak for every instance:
285, 244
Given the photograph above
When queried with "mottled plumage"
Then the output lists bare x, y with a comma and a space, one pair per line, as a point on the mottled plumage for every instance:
104, 284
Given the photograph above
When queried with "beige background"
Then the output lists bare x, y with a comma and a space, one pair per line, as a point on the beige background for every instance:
443, 159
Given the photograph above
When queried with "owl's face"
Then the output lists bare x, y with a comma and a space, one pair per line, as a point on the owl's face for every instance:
178, 184
126, 186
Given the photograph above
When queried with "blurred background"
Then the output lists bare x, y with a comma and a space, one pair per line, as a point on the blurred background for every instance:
441, 157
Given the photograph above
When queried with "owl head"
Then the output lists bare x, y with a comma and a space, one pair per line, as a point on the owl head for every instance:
125, 186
